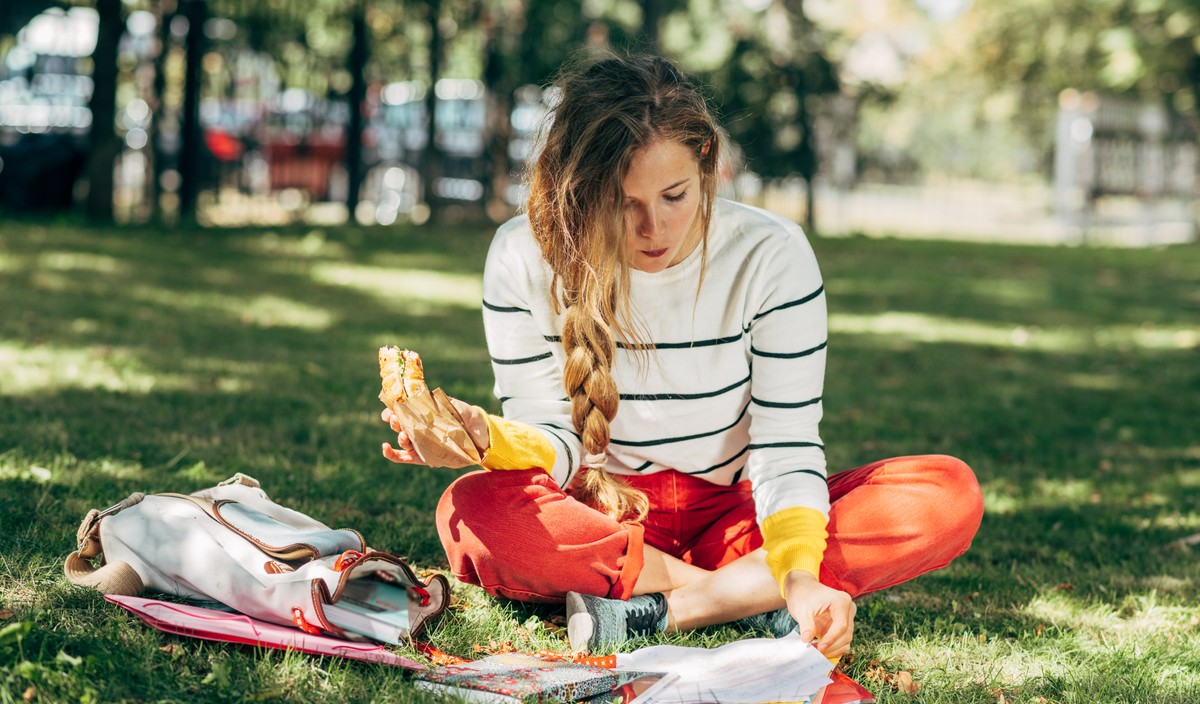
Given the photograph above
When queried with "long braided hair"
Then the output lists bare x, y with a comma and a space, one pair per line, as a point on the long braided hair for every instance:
609, 108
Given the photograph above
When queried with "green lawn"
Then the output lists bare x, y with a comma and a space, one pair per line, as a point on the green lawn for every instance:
132, 359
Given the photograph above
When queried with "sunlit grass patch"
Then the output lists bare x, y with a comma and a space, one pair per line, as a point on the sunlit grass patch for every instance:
397, 288
265, 310
44, 368
1066, 379
314, 243
80, 261
1139, 618
920, 327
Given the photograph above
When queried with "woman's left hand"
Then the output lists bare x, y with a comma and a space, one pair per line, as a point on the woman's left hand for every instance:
821, 612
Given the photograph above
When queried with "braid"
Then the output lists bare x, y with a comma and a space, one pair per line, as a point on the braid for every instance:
587, 376
606, 108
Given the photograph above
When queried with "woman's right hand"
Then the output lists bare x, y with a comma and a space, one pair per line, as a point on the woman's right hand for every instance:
474, 421
403, 452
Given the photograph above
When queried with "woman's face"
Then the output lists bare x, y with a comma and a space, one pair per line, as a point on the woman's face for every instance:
662, 197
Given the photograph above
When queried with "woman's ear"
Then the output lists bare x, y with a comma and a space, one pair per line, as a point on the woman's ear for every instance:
706, 147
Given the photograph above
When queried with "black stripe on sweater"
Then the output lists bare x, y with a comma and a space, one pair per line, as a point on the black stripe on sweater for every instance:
665, 345
506, 309
684, 397
761, 446
776, 404
790, 304
523, 360
571, 466
813, 472
666, 441
788, 355
727, 462
509, 398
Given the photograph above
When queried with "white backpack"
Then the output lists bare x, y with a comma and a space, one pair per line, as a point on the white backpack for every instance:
232, 544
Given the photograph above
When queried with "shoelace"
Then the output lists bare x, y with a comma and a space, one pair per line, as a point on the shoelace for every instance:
642, 619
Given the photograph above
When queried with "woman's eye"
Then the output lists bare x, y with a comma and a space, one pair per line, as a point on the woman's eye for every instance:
675, 198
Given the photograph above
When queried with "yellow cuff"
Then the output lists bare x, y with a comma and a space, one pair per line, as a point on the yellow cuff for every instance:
794, 539
516, 445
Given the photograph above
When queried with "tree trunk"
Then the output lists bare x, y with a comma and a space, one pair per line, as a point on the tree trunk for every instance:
191, 153
431, 155
165, 9
357, 65
499, 88
105, 144
652, 17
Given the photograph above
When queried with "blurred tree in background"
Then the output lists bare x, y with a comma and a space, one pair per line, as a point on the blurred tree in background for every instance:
918, 88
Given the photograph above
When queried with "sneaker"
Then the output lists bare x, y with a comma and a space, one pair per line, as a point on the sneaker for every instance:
595, 623
844, 690
777, 623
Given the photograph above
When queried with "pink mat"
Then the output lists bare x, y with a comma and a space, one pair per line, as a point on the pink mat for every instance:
209, 624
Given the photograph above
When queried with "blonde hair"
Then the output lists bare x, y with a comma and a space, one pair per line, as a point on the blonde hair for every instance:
609, 107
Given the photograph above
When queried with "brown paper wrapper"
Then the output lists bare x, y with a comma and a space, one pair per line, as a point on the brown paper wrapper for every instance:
436, 429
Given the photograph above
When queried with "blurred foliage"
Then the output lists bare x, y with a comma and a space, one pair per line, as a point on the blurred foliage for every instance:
1143, 48
765, 71
958, 88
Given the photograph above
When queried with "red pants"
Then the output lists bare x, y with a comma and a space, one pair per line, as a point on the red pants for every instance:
516, 534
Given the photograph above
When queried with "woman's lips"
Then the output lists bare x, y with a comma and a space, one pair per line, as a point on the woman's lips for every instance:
654, 253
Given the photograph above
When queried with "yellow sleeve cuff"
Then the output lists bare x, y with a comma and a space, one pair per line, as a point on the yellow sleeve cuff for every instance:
515, 445
794, 539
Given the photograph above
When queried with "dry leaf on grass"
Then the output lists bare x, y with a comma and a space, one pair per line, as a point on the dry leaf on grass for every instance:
30, 694
904, 682
5, 614
494, 647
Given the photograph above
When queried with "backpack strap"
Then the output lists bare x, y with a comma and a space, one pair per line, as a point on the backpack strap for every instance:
111, 578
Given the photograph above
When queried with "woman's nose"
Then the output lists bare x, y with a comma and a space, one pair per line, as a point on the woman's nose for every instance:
647, 225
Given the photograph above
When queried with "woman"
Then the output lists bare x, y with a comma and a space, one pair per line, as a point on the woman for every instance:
705, 499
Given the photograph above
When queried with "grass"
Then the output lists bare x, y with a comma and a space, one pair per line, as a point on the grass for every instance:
134, 359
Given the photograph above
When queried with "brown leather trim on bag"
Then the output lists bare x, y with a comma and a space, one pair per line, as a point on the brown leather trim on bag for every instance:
295, 551
321, 595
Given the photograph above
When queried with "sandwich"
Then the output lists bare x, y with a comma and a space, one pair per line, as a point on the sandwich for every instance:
402, 374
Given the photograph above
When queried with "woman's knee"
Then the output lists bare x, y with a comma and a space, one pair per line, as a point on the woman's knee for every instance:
480, 502
959, 500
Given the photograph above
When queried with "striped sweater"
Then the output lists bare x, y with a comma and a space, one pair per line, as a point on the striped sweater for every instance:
732, 390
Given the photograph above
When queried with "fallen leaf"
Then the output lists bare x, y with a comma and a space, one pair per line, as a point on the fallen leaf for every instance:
169, 649
904, 682
5, 614
1038, 629
30, 694
495, 647
1066, 587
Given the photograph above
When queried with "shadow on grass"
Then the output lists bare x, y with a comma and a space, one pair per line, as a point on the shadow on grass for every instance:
135, 361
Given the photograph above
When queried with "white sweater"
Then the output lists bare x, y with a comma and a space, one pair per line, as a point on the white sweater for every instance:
733, 389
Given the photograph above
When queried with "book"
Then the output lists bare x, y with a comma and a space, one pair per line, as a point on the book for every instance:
372, 608
507, 678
